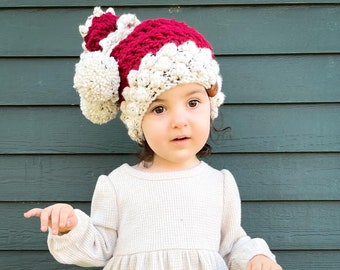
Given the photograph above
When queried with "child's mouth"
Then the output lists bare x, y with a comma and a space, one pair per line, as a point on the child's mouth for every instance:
180, 139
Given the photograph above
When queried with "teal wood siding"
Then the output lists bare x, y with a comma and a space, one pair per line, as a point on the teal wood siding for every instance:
280, 62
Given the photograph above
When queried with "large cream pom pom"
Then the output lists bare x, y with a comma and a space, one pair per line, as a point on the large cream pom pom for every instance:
97, 77
98, 112
97, 81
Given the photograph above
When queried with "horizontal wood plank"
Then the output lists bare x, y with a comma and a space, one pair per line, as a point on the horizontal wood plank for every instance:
53, 129
34, 260
56, 177
37, 81
87, 3
259, 176
301, 260
309, 260
234, 29
293, 225
265, 128
247, 79
281, 79
284, 225
279, 128
283, 176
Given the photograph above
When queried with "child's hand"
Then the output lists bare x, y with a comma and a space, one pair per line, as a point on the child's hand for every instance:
61, 218
261, 262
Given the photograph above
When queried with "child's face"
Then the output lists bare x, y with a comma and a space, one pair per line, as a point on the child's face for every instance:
176, 126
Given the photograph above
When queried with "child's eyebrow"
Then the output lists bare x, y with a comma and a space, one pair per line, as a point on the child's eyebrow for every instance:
193, 92
158, 100
196, 91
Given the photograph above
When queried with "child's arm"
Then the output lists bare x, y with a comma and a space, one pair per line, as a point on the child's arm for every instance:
239, 250
76, 238
59, 217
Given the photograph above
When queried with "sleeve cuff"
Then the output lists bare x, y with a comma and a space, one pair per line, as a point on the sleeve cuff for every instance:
244, 252
73, 235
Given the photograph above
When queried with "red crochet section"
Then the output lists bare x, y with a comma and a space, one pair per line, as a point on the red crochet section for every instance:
101, 27
149, 37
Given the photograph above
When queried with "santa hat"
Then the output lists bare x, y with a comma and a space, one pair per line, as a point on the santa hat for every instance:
126, 64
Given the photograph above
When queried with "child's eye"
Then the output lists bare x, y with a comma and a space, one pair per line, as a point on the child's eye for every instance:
193, 103
158, 109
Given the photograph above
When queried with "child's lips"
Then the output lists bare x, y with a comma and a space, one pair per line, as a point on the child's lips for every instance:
181, 139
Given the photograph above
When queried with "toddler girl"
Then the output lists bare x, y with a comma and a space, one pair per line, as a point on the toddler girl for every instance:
170, 211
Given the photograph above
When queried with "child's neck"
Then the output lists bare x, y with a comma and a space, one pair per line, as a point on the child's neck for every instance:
155, 167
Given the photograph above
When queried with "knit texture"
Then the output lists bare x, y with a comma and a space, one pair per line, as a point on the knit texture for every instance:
175, 220
160, 72
100, 28
124, 58
149, 37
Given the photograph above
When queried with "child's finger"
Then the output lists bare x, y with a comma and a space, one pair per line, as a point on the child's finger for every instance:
35, 212
55, 219
59, 217
72, 221
45, 218
65, 213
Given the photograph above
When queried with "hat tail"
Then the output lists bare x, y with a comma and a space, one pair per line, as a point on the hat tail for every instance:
97, 78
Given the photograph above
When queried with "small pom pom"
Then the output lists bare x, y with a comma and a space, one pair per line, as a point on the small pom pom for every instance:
125, 25
98, 112
97, 27
100, 28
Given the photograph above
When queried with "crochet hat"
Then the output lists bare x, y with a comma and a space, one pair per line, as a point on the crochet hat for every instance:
126, 64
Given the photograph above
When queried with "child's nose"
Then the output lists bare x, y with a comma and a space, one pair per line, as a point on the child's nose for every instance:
179, 119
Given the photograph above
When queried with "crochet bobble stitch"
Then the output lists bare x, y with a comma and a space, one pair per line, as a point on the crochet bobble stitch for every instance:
126, 64
169, 68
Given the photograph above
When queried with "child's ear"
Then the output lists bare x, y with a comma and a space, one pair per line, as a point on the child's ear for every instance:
213, 90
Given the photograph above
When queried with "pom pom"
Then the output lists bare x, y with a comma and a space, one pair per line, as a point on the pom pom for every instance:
97, 81
125, 25
98, 112
97, 77
97, 27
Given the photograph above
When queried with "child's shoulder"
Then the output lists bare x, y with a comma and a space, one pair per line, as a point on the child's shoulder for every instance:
122, 169
114, 175
225, 175
118, 174
114, 179
223, 172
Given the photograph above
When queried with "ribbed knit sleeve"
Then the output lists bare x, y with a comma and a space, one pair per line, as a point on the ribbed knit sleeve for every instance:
237, 248
92, 241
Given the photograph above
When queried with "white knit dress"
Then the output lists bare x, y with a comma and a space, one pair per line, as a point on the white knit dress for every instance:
188, 219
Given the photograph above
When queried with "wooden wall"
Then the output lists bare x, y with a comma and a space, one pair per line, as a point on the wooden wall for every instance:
281, 64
